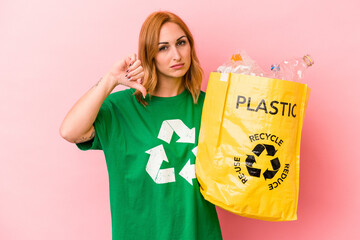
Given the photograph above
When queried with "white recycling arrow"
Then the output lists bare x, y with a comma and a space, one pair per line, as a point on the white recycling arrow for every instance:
195, 151
157, 156
168, 127
188, 171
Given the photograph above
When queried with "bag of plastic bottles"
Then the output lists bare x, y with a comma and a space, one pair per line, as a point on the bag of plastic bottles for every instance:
249, 145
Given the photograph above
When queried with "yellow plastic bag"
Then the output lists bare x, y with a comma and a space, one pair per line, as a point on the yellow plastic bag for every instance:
249, 145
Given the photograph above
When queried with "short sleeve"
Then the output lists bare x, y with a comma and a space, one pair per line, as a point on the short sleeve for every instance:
93, 144
101, 125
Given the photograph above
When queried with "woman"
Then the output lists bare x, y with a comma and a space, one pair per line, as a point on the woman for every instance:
149, 136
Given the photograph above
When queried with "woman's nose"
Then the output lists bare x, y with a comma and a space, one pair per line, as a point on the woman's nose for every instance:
176, 54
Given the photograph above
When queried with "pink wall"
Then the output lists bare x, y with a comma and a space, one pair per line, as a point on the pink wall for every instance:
51, 52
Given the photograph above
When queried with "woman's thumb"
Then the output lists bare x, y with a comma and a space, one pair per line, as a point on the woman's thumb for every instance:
140, 87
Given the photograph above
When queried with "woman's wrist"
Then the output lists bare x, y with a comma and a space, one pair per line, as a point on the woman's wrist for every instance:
109, 80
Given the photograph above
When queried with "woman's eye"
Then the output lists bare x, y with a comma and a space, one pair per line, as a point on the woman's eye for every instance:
181, 42
163, 48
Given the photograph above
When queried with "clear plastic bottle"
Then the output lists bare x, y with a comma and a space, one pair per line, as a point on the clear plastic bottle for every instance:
293, 69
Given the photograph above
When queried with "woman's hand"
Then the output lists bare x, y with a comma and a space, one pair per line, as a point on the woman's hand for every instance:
129, 72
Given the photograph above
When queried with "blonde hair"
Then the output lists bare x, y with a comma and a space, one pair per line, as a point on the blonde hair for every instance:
148, 48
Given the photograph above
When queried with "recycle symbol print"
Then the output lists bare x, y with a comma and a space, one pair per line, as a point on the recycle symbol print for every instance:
158, 154
258, 150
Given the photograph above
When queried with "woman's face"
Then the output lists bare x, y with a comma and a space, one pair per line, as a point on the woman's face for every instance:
174, 52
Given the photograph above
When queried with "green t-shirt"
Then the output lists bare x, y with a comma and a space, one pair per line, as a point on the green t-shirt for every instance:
150, 155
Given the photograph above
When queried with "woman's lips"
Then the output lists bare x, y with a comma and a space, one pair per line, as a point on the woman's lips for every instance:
177, 66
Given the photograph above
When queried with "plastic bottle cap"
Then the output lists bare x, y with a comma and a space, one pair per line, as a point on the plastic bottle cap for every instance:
236, 57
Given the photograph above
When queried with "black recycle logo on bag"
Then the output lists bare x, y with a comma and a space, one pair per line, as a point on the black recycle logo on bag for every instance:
259, 150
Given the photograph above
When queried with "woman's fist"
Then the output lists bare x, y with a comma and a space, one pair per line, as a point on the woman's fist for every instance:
129, 72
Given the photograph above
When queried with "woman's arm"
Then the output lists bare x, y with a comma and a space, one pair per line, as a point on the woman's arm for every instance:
78, 124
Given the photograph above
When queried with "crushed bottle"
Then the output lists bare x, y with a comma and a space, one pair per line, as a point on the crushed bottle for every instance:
293, 69
241, 63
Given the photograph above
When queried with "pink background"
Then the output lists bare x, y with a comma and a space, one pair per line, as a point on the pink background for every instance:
52, 52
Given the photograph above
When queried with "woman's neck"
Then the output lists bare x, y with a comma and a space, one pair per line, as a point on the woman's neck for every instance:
169, 87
